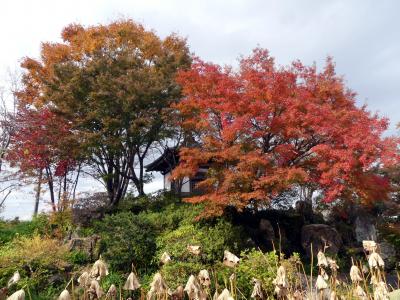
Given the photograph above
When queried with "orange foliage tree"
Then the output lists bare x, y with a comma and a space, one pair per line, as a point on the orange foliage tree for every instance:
264, 129
114, 85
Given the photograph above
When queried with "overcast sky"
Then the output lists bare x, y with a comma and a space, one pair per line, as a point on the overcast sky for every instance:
362, 36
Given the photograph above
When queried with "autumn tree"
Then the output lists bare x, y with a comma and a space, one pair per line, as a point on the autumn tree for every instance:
42, 148
114, 83
264, 129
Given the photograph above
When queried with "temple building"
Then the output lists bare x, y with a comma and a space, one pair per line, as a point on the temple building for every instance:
165, 165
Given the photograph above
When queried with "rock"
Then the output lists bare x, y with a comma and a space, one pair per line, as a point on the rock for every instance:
84, 244
266, 229
388, 254
363, 225
320, 235
55, 279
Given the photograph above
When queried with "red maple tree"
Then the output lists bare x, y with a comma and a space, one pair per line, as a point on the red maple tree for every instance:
42, 146
264, 129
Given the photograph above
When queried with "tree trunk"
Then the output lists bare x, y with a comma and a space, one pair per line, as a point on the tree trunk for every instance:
140, 186
38, 191
51, 189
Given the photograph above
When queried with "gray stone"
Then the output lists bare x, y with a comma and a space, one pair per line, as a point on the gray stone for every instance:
266, 229
388, 254
364, 228
319, 236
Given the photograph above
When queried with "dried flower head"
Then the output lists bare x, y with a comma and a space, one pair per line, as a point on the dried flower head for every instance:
204, 278
132, 282
332, 264
381, 291
322, 261
64, 295
178, 294
280, 279
375, 260
165, 258
374, 280
18, 295
225, 295
14, 279
99, 269
257, 292
158, 287
95, 289
321, 283
112, 292
195, 250
230, 259
369, 246
192, 288
324, 274
359, 293
355, 274
84, 279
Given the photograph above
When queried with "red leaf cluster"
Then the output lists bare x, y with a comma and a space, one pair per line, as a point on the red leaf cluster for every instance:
264, 129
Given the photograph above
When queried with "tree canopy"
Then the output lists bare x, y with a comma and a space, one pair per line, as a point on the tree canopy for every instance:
114, 84
264, 129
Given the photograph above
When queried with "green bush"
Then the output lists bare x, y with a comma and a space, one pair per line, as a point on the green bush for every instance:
213, 239
125, 238
112, 278
172, 216
78, 258
36, 258
11, 229
177, 273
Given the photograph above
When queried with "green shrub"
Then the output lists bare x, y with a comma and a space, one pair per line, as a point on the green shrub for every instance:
36, 258
11, 229
112, 278
125, 238
213, 239
78, 257
256, 264
172, 216
177, 273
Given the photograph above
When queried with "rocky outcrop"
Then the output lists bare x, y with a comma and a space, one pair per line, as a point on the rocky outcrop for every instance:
319, 236
364, 228
84, 244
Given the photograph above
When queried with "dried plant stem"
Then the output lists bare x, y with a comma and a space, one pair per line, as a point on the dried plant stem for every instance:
311, 267
29, 292
364, 279
72, 288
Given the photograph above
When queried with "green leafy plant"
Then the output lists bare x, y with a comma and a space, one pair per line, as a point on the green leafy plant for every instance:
126, 238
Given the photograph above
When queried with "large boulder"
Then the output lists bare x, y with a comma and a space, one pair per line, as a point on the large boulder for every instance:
319, 236
266, 229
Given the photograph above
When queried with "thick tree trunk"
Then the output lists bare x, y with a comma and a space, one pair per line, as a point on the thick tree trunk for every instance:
38, 191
